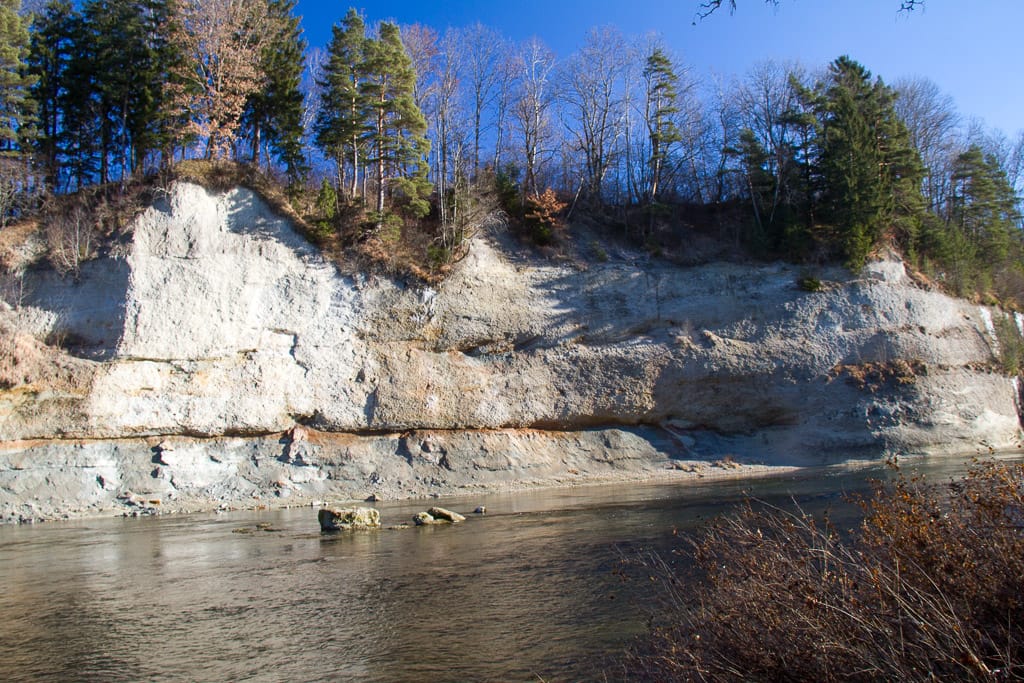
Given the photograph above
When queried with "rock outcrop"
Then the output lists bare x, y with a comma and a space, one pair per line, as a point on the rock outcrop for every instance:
219, 329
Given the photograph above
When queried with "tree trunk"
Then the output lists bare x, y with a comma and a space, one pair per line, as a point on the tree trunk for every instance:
380, 167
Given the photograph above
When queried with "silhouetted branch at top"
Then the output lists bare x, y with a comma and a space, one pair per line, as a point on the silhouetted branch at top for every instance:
706, 9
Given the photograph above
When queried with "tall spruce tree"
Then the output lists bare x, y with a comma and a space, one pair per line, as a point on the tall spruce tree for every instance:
984, 205
273, 113
132, 64
79, 136
397, 126
17, 110
868, 174
51, 51
341, 121
16, 105
159, 122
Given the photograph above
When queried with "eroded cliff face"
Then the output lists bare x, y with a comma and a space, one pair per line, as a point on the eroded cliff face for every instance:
221, 321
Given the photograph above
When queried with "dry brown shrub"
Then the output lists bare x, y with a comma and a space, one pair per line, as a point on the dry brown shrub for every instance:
931, 587
16, 245
544, 216
876, 376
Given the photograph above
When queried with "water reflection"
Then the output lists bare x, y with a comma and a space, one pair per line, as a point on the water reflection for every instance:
526, 591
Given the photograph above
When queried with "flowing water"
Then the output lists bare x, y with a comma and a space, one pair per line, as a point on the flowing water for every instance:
529, 591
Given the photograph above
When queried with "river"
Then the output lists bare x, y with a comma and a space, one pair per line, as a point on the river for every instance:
528, 591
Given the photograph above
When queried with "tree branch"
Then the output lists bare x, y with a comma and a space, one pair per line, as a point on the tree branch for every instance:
706, 9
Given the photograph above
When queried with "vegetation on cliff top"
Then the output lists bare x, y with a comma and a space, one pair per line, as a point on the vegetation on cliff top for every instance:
395, 141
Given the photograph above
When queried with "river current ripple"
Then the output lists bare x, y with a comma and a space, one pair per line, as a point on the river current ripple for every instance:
527, 592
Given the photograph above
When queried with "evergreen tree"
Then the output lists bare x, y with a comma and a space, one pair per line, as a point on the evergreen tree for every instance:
79, 139
760, 183
16, 106
107, 81
341, 121
274, 112
984, 205
867, 173
17, 110
120, 66
662, 104
169, 81
397, 126
51, 51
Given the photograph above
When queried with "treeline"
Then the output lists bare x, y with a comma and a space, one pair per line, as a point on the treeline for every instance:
409, 126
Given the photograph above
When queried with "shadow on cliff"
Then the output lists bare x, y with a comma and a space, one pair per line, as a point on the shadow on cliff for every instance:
248, 214
84, 316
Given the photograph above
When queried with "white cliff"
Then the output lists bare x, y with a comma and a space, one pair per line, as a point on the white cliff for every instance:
220, 327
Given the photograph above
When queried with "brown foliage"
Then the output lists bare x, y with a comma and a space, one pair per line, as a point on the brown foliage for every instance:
546, 209
931, 587
876, 376
543, 215
225, 39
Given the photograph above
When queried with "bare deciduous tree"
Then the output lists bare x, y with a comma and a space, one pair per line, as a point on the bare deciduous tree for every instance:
421, 43
71, 238
531, 108
708, 129
481, 68
592, 95
766, 101
508, 69
934, 126
706, 9
445, 115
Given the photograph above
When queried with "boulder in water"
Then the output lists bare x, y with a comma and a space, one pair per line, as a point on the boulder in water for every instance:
345, 519
445, 515
425, 519
437, 515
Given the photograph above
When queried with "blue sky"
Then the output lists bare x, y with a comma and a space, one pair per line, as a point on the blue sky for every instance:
972, 54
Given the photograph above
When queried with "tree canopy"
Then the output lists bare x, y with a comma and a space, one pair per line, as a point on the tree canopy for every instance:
395, 128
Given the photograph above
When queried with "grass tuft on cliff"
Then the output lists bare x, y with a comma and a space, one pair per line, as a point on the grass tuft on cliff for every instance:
930, 587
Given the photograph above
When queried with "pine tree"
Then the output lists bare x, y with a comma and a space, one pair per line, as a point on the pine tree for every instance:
17, 108
51, 51
341, 121
274, 112
662, 104
397, 126
984, 205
